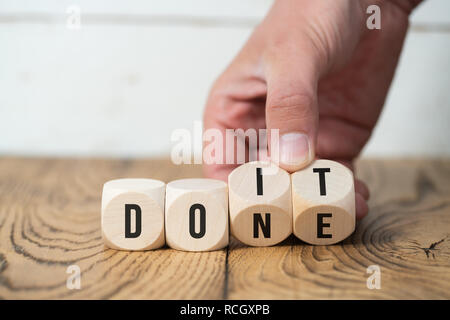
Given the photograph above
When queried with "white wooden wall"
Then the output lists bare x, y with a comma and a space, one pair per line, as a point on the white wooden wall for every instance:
136, 70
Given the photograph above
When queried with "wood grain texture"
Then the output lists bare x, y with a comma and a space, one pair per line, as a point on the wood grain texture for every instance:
50, 219
407, 234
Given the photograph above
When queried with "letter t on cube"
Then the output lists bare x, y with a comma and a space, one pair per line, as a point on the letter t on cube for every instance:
323, 199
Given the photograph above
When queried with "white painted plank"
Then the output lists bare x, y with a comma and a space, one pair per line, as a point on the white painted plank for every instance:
416, 116
106, 90
214, 8
429, 12
432, 12
122, 90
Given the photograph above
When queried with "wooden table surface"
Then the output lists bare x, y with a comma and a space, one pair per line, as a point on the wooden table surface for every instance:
50, 219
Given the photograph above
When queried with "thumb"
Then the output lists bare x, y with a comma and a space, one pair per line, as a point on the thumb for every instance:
291, 107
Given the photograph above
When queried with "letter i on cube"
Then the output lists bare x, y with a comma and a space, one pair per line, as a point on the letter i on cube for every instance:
260, 203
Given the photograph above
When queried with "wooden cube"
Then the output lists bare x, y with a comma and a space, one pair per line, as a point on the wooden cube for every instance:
323, 198
260, 203
133, 214
197, 214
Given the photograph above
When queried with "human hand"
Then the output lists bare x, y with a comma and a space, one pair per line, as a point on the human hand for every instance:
313, 70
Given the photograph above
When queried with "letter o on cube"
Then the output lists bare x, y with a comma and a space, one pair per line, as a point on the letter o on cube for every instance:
197, 214
133, 214
323, 197
260, 203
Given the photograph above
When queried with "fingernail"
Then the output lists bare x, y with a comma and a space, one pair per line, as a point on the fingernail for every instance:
295, 149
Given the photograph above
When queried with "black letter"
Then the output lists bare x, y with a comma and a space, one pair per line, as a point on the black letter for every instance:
321, 225
202, 231
137, 209
257, 220
321, 171
259, 184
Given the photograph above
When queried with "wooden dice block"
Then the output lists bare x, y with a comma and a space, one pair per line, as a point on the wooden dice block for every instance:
323, 198
133, 214
197, 214
260, 203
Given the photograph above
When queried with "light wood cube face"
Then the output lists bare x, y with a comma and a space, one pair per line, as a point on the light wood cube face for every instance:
260, 204
133, 214
323, 199
197, 214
